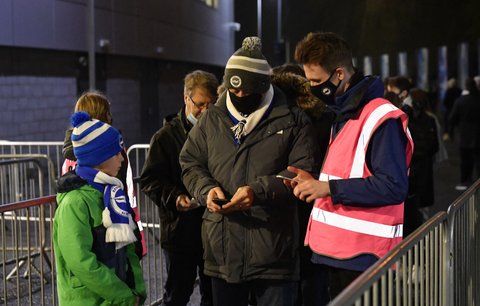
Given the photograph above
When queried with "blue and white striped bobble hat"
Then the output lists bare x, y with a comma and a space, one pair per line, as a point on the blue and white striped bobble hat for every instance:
93, 141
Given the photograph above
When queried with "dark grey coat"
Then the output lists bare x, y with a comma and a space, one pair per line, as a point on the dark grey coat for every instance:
261, 243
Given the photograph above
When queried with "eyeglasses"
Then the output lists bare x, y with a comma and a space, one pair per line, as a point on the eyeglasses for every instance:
199, 105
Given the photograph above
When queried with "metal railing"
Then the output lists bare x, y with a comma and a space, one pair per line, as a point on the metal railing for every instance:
27, 268
464, 248
23, 176
27, 251
52, 149
154, 262
435, 265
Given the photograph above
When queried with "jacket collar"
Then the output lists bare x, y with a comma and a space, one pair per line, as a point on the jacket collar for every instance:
362, 90
185, 124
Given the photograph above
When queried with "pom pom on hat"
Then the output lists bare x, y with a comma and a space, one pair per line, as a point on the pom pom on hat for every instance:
93, 141
252, 43
79, 118
247, 69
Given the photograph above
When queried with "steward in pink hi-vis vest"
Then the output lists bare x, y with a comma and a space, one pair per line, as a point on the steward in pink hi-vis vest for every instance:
363, 230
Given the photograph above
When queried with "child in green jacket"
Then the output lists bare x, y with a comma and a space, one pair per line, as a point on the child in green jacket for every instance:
93, 231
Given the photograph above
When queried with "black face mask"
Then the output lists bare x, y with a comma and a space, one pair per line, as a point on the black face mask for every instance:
326, 90
247, 104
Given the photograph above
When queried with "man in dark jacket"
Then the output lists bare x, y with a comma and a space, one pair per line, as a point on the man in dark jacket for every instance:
180, 214
234, 153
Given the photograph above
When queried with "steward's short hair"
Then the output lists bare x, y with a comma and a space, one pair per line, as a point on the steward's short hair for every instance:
326, 49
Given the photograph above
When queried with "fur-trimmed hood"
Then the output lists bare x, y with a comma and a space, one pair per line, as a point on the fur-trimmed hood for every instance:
297, 89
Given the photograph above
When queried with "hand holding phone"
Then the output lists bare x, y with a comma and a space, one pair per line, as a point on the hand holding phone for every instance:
220, 202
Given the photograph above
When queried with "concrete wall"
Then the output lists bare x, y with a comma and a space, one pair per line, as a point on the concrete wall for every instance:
186, 30
35, 108
124, 96
44, 61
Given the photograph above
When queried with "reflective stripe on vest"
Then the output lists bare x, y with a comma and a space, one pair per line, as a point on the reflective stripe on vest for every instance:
363, 140
357, 225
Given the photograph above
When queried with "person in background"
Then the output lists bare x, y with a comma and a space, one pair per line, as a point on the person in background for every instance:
93, 229
364, 177
229, 163
290, 78
400, 86
97, 106
423, 129
452, 93
393, 98
465, 115
180, 214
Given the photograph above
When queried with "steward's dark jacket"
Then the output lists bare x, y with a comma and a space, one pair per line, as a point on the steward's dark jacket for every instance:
260, 243
161, 182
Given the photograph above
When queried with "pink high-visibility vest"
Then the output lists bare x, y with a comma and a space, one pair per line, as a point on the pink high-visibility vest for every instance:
345, 231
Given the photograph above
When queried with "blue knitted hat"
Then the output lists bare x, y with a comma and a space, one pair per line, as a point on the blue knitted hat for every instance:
93, 141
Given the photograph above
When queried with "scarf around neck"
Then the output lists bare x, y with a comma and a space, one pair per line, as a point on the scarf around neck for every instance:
116, 216
244, 125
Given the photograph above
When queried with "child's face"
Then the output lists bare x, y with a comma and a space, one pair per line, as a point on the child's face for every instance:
112, 165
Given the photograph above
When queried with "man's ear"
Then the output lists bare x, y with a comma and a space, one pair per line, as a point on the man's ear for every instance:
340, 73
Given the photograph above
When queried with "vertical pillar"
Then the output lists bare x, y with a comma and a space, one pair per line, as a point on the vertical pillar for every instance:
462, 64
259, 18
442, 72
422, 69
367, 65
91, 43
402, 65
384, 66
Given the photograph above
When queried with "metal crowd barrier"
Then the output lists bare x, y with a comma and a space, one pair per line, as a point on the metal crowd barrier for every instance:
52, 149
435, 265
25, 176
464, 247
153, 264
27, 268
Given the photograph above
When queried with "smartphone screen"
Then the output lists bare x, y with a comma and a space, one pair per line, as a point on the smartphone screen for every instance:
220, 202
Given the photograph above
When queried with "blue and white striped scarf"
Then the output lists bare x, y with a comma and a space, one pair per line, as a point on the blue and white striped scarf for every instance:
116, 216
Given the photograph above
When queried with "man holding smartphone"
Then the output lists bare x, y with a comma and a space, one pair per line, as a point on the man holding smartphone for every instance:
234, 152
180, 214
358, 199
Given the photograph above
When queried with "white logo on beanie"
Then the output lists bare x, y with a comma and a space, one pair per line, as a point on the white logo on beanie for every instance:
236, 81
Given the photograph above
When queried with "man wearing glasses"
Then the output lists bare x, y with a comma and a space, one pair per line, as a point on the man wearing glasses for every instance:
180, 214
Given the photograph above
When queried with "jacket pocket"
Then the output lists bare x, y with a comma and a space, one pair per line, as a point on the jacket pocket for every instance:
213, 239
273, 242
75, 282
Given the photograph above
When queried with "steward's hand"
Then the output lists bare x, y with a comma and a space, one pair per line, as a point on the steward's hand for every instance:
307, 188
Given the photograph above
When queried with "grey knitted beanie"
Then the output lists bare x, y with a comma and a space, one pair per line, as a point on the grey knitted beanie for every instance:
247, 69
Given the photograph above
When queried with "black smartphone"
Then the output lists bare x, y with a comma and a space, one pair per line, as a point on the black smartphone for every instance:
220, 202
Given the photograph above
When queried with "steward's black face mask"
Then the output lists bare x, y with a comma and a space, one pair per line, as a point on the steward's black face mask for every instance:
326, 90
247, 104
